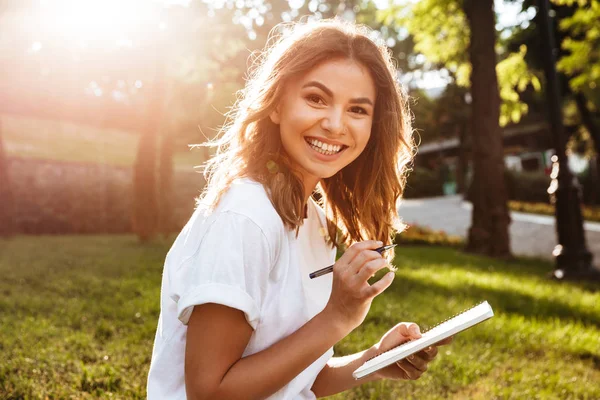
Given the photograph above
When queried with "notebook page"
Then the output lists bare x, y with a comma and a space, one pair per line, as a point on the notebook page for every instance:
458, 323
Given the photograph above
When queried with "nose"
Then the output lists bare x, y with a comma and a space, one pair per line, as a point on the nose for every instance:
333, 122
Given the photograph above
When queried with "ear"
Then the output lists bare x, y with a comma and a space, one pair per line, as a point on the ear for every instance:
275, 115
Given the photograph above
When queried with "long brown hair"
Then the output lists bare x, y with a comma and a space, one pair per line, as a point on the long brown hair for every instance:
359, 200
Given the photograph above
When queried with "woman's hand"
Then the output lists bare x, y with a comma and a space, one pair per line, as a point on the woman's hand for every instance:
351, 294
413, 366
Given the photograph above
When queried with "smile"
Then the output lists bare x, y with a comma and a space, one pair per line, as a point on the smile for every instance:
324, 148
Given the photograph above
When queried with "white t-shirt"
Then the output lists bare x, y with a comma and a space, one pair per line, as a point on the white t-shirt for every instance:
242, 256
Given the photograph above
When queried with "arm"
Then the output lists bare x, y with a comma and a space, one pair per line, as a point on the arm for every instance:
337, 377
217, 335
216, 338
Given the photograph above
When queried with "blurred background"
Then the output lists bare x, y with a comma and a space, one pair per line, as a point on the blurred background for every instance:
100, 101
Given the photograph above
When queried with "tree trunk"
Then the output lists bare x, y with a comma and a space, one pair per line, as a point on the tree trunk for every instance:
145, 203
7, 221
488, 233
463, 159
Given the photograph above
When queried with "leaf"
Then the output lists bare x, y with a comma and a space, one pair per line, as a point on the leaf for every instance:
535, 82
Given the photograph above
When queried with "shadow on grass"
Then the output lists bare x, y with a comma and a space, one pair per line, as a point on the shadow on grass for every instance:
414, 256
502, 300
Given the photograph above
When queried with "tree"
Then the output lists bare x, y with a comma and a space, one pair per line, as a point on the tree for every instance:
7, 225
195, 62
145, 213
580, 60
488, 233
578, 33
459, 35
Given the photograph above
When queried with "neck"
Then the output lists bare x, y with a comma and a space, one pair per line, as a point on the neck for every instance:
309, 188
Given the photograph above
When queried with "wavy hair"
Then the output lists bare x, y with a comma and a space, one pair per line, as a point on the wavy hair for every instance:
360, 201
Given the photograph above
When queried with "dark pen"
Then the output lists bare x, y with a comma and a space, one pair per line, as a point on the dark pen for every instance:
329, 269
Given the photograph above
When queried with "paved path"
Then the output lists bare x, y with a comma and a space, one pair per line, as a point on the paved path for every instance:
530, 234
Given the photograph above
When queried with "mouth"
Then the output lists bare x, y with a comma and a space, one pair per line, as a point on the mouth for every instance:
324, 148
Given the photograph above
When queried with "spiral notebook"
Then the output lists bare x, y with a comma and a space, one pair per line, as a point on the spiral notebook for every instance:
443, 330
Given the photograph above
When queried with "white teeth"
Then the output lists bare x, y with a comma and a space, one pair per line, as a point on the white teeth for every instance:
323, 147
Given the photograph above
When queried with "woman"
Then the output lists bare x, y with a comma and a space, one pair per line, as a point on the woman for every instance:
240, 318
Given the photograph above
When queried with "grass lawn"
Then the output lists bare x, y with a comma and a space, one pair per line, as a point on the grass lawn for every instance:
78, 317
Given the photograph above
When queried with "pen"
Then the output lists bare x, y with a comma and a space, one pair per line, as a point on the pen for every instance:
329, 269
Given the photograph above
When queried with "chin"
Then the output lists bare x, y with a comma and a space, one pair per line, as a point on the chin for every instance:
324, 174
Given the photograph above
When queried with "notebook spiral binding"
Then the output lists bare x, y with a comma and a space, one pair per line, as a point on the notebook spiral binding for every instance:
435, 326
452, 317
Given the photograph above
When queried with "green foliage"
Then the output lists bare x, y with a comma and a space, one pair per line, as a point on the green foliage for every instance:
441, 33
542, 342
582, 63
513, 77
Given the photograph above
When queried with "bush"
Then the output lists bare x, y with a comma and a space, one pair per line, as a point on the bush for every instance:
420, 235
527, 186
589, 213
423, 183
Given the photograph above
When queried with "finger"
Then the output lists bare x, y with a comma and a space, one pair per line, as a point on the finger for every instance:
400, 373
379, 286
445, 341
356, 248
361, 259
409, 330
370, 268
419, 362
409, 369
403, 329
429, 353
414, 330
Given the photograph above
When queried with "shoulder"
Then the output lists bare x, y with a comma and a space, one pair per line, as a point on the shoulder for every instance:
244, 219
247, 200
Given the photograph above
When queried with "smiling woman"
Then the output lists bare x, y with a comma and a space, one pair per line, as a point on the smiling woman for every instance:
322, 111
324, 127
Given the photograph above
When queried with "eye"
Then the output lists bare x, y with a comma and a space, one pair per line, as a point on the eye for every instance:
314, 98
359, 110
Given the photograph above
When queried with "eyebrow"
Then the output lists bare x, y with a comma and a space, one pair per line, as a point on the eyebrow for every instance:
359, 100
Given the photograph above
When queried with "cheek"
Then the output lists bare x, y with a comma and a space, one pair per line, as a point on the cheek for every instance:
362, 136
299, 117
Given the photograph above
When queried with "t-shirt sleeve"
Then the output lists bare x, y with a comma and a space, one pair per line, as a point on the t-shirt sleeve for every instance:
230, 266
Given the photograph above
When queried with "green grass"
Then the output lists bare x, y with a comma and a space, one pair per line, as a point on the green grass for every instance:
66, 141
78, 317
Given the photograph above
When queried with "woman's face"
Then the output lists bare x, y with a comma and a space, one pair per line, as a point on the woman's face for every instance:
325, 118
